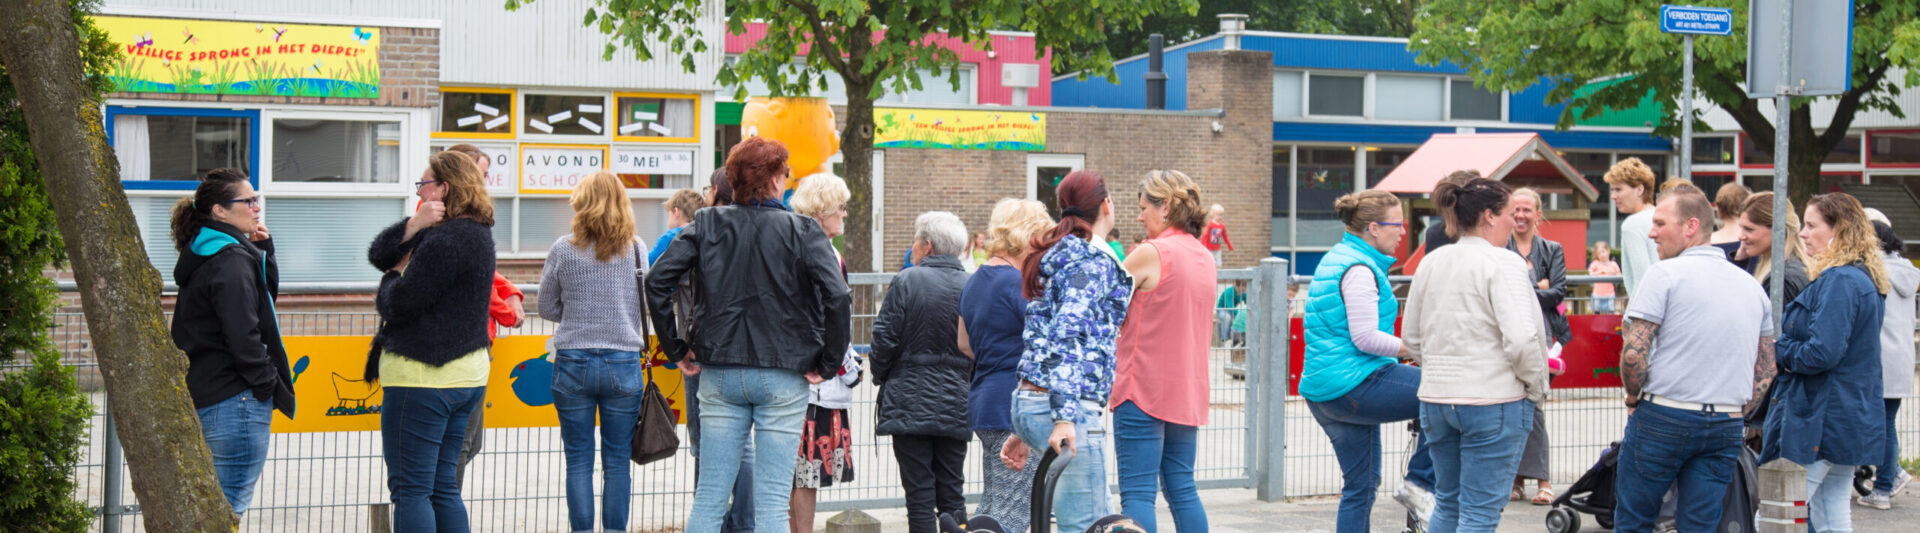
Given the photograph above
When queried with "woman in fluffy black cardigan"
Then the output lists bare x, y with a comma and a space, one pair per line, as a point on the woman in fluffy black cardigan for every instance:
431, 356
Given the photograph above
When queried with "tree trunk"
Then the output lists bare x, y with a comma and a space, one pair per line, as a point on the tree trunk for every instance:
856, 148
120, 291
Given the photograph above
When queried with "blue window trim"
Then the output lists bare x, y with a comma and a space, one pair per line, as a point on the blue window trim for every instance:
253, 141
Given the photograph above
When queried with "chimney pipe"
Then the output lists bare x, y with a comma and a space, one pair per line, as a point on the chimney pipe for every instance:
1156, 76
1231, 26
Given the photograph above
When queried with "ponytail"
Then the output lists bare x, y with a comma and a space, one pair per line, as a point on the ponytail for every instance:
1080, 196
195, 212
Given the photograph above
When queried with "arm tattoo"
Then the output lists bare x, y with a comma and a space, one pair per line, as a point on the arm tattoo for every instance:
1633, 355
1763, 374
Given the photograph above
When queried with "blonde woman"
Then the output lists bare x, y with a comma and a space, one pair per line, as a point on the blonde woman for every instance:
1827, 411
587, 285
826, 442
1756, 243
992, 313
431, 358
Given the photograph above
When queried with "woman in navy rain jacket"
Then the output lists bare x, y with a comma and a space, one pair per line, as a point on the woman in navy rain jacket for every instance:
1827, 413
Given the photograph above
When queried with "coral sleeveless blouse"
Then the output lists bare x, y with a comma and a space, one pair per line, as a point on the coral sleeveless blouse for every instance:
1163, 346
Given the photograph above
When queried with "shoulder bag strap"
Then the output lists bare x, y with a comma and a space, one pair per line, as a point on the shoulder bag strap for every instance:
646, 322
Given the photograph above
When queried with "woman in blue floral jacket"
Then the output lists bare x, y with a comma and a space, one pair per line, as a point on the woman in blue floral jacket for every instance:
1078, 298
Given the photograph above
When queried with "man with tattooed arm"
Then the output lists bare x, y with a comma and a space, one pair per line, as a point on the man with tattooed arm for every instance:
1698, 349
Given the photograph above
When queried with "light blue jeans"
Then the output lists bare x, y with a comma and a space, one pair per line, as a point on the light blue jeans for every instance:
237, 431
603, 384
1829, 486
1080, 496
772, 404
1154, 454
1476, 452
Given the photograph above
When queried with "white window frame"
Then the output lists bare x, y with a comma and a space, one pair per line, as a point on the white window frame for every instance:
1036, 161
1446, 114
1366, 96
413, 140
530, 135
1303, 91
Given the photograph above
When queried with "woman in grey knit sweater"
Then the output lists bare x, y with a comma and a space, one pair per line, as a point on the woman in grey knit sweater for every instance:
588, 287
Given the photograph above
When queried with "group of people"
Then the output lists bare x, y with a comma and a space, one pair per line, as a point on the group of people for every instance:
1703, 364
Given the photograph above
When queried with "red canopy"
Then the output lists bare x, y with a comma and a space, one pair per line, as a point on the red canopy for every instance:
1520, 159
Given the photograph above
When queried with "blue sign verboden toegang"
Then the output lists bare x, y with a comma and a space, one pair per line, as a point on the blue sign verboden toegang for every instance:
1696, 20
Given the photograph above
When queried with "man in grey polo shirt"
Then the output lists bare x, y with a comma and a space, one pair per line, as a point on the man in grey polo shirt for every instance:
1699, 345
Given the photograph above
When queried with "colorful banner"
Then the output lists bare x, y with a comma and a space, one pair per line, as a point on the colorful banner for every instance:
184, 56
960, 130
332, 396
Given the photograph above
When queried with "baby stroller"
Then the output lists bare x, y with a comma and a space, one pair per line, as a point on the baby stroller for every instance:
1041, 517
1593, 494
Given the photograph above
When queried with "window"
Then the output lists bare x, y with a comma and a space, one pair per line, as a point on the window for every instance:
502, 172
1473, 103
1336, 95
1044, 172
1713, 150
1382, 161
1847, 151
1286, 94
475, 113
934, 89
336, 151
1751, 154
565, 114
328, 231
657, 117
1408, 97
1325, 174
1894, 148
172, 148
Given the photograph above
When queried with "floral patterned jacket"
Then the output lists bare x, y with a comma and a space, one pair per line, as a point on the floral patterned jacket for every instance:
1072, 326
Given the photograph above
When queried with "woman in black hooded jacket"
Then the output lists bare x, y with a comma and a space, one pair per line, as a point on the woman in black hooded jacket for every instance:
223, 319
923, 376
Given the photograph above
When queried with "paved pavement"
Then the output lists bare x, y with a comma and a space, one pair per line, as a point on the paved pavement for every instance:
1238, 510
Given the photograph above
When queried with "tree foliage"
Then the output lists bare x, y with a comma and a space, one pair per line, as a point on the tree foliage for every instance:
1377, 18
873, 46
1514, 44
43, 414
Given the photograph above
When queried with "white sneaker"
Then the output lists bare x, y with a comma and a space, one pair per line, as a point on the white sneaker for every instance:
1900, 483
1415, 499
1878, 500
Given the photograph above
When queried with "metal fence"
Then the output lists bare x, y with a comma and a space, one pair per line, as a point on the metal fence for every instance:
333, 481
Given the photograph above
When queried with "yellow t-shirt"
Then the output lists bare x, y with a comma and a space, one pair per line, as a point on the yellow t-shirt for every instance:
468, 371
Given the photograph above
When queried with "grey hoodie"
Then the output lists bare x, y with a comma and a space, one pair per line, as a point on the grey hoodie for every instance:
1896, 331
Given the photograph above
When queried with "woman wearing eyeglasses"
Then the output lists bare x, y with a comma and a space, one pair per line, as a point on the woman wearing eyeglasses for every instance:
223, 320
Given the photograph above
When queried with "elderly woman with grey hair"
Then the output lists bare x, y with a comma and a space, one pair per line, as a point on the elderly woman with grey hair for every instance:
923, 375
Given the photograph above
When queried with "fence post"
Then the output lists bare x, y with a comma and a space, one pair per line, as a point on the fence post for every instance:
1783, 497
1270, 361
110, 503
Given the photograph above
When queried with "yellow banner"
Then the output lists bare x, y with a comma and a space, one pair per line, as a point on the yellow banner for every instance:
184, 56
331, 396
960, 130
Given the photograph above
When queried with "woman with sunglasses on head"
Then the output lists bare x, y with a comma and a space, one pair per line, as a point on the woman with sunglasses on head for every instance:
1353, 380
223, 319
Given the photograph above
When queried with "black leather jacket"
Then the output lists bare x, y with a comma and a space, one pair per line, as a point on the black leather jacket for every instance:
771, 294
924, 379
1548, 262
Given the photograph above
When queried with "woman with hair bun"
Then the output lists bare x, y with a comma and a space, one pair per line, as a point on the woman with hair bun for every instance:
1474, 326
1079, 299
223, 319
1160, 386
1353, 381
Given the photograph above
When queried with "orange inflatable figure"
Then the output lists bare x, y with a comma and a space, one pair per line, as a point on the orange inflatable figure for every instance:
804, 125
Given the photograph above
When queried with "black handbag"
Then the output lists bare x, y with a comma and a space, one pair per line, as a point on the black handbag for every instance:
654, 437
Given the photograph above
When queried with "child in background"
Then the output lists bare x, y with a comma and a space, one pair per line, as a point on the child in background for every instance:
1215, 235
1602, 265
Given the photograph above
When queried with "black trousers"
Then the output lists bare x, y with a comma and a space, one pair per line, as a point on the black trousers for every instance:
930, 469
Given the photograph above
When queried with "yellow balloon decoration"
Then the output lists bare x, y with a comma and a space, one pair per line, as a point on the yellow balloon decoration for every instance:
804, 125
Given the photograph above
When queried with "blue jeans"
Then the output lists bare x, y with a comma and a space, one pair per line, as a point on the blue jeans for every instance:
1889, 470
237, 432
1153, 454
740, 510
1353, 421
1080, 496
421, 431
1603, 305
1667, 446
1476, 452
771, 403
1829, 487
606, 383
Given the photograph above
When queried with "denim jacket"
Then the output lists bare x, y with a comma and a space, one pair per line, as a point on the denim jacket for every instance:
1826, 402
1071, 327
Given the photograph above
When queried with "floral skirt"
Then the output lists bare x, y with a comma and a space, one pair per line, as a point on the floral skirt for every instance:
826, 449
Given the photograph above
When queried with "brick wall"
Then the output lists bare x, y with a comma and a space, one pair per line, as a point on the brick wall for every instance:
409, 76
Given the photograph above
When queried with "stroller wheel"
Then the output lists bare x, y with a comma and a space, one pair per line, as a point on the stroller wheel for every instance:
1563, 520
1863, 480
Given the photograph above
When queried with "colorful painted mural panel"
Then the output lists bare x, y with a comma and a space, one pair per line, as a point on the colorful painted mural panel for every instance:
960, 130
186, 56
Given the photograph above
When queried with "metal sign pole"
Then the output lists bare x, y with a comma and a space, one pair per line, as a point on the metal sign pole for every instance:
1782, 134
1686, 109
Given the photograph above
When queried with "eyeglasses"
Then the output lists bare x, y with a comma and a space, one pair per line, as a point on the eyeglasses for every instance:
423, 183
251, 201
1394, 224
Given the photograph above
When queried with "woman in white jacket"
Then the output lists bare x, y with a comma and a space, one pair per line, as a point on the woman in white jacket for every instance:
826, 442
1474, 326
1896, 358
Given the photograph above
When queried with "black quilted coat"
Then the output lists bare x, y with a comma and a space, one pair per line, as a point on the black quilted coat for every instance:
917, 363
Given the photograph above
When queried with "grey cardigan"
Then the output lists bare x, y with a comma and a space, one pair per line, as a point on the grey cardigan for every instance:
596, 303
